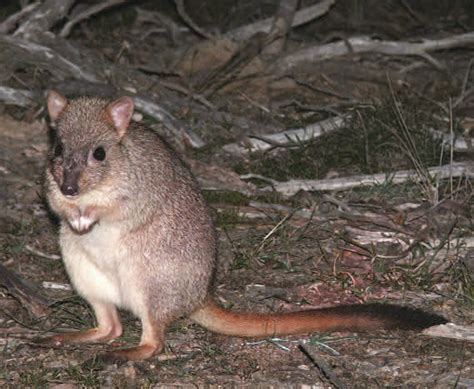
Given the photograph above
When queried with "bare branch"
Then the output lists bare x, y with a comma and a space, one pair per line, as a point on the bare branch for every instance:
302, 16
367, 44
285, 138
19, 97
281, 25
184, 15
10, 23
44, 17
289, 188
99, 7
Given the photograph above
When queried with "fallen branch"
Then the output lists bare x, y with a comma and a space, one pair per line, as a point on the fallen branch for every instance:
17, 52
289, 188
190, 22
14, 49
25, 292
301, 17
228, 71
19, 97
281, 25
169, 121
451, 331
10, 23
289, 137
364, 44
459, 143
99, 7
43, 18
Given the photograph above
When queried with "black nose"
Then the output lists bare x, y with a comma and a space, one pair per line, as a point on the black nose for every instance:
69, 190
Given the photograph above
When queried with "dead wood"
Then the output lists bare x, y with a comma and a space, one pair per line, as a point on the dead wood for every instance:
458, 143
10, 23
288, 138
356, 45
281, 25
451, 331
64, 59
229, 70
289, 188
187, 19
87, 13
164, 24
19, 97
43, 18
301, 17
25, 292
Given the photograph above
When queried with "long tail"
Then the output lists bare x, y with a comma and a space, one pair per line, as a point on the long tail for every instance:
344, 317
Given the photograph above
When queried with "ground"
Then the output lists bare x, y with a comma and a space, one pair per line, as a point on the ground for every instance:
401, 244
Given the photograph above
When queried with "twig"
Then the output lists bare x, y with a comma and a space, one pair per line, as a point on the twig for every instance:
9, 24
458, 143
99, 7
19, 97
41, 254
38, 53
289, 188
228, 71
463, 93
25, 292
170, 122
56, 286
43, 18
322, 367
184, 15
365, 44
281, 25
451, 331
301, 17
295, 136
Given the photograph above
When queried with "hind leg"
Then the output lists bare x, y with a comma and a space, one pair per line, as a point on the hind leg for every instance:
108, 328
152, 342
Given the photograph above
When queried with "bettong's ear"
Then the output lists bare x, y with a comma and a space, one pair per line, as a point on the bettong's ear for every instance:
120, 112
56, 104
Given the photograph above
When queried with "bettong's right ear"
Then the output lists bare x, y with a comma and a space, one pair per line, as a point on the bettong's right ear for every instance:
56, 104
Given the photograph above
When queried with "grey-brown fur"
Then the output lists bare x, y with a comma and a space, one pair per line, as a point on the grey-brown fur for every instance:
169, 233
136, 234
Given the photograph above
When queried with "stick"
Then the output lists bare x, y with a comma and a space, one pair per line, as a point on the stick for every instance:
25, 292
44, 18
66, 30
301, 17
281, 25
184, 15
459, 144
366, 44
40, 54
294, 136
322, 367
19, 97
9, 24
289, 188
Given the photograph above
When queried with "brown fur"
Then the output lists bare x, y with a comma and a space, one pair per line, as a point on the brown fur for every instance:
138, 235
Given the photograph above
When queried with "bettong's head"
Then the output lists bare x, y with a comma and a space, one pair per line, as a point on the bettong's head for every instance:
86, 140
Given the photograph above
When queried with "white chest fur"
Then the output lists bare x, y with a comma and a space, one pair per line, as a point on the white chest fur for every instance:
95, 262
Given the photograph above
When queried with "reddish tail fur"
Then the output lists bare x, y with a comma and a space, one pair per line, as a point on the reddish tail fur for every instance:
345, 317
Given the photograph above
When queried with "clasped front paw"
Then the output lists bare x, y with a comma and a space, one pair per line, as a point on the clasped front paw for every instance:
81, 224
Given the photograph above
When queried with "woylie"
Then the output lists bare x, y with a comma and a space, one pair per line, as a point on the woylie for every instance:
136, 234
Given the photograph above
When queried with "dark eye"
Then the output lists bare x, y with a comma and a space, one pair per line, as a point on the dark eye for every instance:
99, 154
58, 150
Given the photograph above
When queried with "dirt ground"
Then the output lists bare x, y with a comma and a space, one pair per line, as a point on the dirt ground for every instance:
388, 243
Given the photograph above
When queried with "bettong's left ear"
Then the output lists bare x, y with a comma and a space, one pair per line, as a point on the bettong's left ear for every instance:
120, 112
